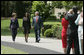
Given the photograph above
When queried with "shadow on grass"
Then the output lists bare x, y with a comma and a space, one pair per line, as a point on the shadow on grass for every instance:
7, 32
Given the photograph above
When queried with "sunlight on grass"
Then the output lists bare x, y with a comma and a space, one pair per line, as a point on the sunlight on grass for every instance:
51, 23
5, 30
9, 50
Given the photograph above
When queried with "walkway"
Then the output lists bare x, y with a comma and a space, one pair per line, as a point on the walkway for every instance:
46, 45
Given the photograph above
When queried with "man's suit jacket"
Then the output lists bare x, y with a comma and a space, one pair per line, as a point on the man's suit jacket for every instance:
39, 24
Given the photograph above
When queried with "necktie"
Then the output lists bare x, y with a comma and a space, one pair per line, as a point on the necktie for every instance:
36, 19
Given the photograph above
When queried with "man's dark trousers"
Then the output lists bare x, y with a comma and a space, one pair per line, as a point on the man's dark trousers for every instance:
37, 35
72, 36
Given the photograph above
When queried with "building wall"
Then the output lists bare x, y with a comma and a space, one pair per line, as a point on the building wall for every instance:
56, 11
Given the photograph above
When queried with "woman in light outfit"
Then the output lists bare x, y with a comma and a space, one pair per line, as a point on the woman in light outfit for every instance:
79, 21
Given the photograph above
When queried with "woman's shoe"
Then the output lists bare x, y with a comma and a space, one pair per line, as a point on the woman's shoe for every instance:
26, 40
37, 41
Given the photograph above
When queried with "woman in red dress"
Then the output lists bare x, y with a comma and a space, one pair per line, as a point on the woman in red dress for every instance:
64, 35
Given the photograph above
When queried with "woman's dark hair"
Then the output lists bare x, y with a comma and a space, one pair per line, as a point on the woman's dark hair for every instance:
64, 14
27, 15
75, 9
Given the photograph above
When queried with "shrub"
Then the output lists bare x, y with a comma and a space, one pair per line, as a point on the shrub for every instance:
48, 33
45, 28
52, 17
58, 33
56, 30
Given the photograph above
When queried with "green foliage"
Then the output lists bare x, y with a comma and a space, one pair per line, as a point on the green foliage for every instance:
27, 6
37, 6
45, 28
69, 4
48, 33
57, 4
19, 9
42, 7
51, 23
5, 8
59, 32
48, 25
56, 29
51, 18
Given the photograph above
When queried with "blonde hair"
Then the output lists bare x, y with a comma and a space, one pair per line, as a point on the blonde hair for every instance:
70, 11
13, 14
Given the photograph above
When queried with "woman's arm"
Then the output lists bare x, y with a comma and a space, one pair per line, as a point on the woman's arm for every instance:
17, 24
32, 23
10, 23
77, 20
29, 24
80, 21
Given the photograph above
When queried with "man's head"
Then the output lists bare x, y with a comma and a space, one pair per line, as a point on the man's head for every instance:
36, 13
75, 9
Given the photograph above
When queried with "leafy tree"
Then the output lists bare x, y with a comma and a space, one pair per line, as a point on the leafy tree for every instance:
42, 7
4, 8
69, 4
45, 9
19, 8
27, 6
57, 4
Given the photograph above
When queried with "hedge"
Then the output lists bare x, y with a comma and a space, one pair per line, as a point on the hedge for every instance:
56, 29
48, 33
53, 31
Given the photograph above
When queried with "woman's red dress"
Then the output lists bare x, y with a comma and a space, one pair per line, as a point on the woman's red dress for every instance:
64, 33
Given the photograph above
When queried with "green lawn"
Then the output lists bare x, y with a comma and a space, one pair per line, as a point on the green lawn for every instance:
9, 50
5, 31
51, 22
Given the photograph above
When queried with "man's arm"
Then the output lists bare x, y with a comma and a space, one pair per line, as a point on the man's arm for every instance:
41, 22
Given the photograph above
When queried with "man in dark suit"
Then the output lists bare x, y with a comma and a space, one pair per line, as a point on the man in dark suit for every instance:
72, 35
37, 23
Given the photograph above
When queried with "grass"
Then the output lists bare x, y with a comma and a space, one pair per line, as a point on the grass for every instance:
5, 30
9, 50
51, 22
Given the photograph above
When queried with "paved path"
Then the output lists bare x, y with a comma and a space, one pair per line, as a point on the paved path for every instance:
46, 45
29, 49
